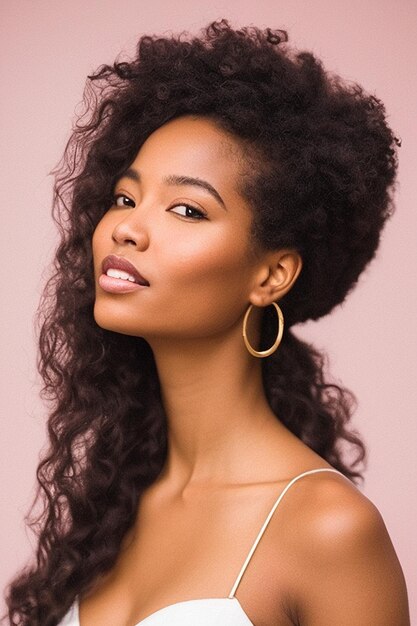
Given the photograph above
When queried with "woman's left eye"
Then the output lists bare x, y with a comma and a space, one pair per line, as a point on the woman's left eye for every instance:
122, 200
186, 210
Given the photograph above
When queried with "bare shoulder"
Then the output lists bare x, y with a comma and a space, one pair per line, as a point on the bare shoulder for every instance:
343, 547
336, 514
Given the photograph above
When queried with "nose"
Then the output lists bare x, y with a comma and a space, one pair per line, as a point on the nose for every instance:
131, 233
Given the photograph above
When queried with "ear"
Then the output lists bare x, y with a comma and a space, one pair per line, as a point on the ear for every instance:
276, 273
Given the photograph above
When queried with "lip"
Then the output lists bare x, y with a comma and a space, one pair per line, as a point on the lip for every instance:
120, 263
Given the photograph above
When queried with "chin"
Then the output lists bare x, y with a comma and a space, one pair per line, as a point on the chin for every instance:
104, 319
114, 323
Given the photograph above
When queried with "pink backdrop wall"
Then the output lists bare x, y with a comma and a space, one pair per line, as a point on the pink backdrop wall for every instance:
46, 50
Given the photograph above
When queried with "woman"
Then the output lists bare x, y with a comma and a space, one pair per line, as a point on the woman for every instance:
220, 190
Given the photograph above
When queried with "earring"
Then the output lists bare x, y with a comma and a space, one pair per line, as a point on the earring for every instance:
264, 353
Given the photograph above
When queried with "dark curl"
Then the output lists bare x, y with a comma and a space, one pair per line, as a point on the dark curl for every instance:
320, 164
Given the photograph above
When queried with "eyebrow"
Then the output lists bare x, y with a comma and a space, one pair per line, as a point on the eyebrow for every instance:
175, 180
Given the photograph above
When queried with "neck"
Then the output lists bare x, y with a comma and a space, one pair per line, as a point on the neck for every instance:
216, 408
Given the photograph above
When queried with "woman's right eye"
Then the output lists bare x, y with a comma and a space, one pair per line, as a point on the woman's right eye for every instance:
122, 200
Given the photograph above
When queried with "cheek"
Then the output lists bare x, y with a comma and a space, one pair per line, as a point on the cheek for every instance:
100, 241
197, 263
99, 231
207, 285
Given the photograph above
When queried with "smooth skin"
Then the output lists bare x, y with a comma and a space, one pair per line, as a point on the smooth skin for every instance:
326, 558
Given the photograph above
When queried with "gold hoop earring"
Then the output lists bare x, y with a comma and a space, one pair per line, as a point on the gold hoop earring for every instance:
263, 353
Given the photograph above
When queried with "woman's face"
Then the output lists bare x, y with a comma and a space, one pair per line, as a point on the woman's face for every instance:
180, 221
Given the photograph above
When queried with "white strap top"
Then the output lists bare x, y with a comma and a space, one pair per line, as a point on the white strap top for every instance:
204, 611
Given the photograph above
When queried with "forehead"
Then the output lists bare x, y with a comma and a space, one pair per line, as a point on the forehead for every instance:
195, 145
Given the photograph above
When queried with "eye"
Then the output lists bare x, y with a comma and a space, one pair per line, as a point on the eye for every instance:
122, 200
186, 210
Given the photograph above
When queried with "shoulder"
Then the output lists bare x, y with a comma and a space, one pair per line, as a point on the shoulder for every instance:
330, 512
341, 544
336, 518
335, 507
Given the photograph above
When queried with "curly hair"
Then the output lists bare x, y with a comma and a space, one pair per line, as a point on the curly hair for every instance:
323, 164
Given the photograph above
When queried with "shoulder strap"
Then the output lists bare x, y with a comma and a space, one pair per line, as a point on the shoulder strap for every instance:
261, 532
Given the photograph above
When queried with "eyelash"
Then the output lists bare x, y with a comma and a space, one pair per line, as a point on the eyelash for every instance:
200, 214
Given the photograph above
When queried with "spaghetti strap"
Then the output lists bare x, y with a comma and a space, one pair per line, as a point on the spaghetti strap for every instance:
261, 532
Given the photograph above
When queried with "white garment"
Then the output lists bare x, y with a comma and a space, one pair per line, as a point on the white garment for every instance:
204, 611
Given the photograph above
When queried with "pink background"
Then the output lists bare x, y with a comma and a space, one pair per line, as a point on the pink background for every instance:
47, 49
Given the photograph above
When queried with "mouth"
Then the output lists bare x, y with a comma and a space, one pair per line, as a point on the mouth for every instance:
120, 268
